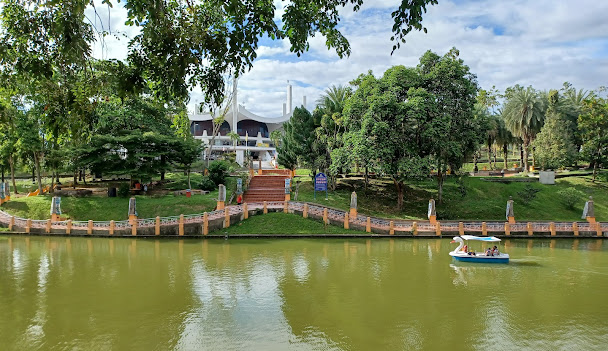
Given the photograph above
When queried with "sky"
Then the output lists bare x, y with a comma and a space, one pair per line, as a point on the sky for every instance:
542, 43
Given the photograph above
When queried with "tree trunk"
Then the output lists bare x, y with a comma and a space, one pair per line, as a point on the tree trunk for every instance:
595, 170
521, 155
3, 174
440, 183
526, 168
11, 163
495, 153
490, 156
189, 186
75, 180
505, 150
366, 178
399, 186
52, 182
33, 174
37, 164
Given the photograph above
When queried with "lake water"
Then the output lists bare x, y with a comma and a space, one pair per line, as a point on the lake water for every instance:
292, 294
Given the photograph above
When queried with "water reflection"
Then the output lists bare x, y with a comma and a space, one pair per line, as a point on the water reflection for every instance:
93, 293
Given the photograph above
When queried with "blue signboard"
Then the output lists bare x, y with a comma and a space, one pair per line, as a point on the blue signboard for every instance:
287, 185
320, 184
239, 185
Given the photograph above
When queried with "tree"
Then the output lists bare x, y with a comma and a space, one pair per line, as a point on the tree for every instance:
524, 116
504, 138
298, 139
187, 152
234, 137
554, 145
593, 124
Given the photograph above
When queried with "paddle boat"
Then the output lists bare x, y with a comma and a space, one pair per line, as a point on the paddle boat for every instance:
462, 252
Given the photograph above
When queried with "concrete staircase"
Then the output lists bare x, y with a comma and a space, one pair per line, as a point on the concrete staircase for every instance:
266, 188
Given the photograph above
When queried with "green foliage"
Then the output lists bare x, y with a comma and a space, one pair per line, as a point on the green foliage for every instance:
207, 184
569, 197
462, 188
124, 190
218, 171
528, 193
297, 142
593, 124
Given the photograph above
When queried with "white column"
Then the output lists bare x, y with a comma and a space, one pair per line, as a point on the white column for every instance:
235, 104
289, 107
304, 101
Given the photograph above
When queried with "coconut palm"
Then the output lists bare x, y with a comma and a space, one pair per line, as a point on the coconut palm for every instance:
524, 116
504, 138
334, 99
234, 137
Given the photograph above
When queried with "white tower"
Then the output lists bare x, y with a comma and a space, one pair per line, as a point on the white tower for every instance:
289, 107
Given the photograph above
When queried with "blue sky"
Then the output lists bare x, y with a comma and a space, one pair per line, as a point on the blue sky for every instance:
542, 43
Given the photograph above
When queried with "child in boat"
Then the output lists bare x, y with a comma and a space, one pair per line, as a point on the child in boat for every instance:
489, 252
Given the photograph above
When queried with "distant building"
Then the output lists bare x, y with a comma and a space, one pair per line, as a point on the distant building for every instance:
253, 130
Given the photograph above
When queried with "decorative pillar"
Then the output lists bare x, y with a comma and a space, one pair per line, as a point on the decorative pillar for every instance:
484, 228
55, 208
575, 228
325, 219
285, 208
90, 227
28, 225
221, 197
68, 227
245, 211
391, 227
265, 207
157, 226
368, 225
346, 220
205, 223
226, 217
509, 213
552, 228
589, 211
353, 205
112, 225
305, 212
287, 190
507, 228
415, 228
460, 228
48, 226
180, 228
437, 228
132, 211
432, 214
599, 228
134, 227
11, 223
530, 229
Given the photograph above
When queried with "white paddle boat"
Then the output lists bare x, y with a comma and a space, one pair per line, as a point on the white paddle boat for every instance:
464, 254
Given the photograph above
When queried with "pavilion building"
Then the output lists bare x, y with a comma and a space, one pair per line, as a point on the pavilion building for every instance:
253, 130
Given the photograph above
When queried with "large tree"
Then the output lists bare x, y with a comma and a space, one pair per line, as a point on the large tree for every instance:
593, 124
524, 115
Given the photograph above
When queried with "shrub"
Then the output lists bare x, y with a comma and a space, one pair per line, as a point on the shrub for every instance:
124, 190
569, 196
528, 193
207, 184
218, 171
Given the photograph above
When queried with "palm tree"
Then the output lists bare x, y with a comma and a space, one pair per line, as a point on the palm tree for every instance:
503, 139
234, 137
524, 116
334, 99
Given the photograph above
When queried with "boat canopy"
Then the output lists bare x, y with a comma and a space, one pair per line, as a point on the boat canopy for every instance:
478, 238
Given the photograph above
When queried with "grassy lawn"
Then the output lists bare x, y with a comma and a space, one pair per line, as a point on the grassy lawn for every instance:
479, 200
282, 223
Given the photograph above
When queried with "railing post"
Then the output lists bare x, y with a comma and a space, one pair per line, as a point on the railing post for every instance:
575, 228
305, 212
391, 227
134, 227
599, 228
180, 229
28, 225
48, 226
245, 211
552, 228
112, 224
265, 207
11, 223
415, 228
484, 228
226, 217
368, 225
529, 226
285, 209
437, 228
346, 220
325, 219
205, 223
460, 228
157, 226
90, 227
68, 227
507, 228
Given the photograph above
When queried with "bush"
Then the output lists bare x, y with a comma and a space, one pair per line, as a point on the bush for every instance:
218, 171
528, 193
124, 190
207, 184
569, 197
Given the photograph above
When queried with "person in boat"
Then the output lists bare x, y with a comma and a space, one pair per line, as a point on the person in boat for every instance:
489, 252
465, 248
495, 251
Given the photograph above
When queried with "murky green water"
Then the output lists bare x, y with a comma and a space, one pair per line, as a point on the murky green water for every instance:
123, 294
